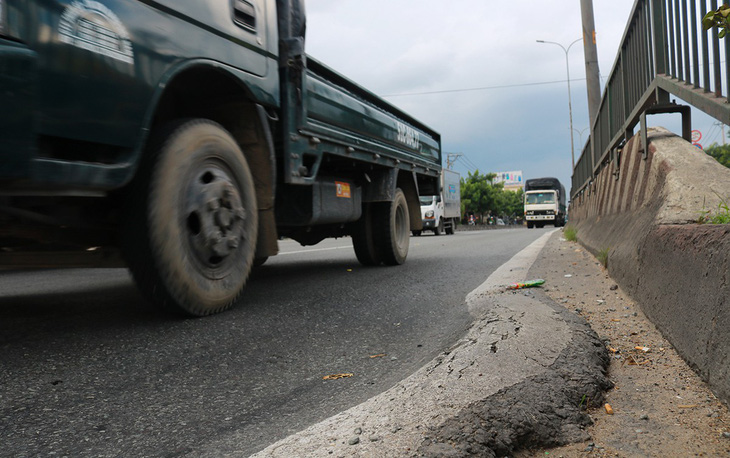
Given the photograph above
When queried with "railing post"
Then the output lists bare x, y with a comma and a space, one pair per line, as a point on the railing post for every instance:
659, 37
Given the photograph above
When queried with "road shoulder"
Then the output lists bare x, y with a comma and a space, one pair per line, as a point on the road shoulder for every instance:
518, 378
660, 406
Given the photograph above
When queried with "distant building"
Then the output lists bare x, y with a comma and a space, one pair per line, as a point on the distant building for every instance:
512, 180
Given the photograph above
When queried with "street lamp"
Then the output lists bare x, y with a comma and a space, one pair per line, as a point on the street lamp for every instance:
570, 104
580, 132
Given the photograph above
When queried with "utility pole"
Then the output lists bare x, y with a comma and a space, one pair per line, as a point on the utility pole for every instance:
451, 158
593, 83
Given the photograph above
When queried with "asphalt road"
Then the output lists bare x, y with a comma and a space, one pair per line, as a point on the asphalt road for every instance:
88, 369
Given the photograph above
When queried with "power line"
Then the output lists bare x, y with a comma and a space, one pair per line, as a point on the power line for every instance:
485, 88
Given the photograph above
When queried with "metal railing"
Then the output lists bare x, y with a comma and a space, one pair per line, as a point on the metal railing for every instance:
663, 51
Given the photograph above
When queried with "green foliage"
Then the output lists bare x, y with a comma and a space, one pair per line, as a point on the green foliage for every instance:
718, 18
481, 196
603, 257
570, 234
720, 152
722, 216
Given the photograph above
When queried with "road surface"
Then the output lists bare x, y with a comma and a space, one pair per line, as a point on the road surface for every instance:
90, 369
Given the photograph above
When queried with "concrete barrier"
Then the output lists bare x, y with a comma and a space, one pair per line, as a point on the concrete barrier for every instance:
643, 214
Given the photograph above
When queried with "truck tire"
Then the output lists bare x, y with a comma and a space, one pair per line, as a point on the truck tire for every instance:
363, 238
416, 233
391, 225
193, 222
450, 227
529, 225
439, 227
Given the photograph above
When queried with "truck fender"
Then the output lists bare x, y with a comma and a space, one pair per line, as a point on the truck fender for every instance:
247, 84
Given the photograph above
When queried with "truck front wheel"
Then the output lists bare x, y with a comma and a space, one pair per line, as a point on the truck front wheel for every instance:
391, 225
439, 227
194, 220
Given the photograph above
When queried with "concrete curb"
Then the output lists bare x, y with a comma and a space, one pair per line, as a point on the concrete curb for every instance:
521, 344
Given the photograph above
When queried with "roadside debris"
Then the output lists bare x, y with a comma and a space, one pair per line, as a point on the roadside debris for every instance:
527, 284
379, 355
609, 409
337, 376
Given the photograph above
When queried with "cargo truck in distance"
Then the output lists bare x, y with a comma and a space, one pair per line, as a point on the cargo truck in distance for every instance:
183, 139
442, 212
544, 202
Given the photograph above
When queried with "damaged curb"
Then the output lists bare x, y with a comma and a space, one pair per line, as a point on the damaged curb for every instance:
520, 377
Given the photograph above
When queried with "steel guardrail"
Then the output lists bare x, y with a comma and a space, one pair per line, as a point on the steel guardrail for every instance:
664, 51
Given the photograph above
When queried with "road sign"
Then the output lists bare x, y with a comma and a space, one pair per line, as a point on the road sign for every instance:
697, 145
696, 136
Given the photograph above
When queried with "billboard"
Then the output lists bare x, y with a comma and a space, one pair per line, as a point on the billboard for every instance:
510, 178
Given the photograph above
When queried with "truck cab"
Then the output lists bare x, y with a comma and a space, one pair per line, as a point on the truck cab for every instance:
432, 214
544, 202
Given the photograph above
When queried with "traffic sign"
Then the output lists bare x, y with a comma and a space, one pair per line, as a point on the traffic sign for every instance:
696, 136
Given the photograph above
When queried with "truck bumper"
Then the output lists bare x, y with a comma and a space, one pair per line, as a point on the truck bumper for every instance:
429, 224
540, 217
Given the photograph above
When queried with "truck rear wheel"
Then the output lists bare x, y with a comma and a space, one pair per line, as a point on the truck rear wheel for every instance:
450, 227
194, 220
392, 228
363, 238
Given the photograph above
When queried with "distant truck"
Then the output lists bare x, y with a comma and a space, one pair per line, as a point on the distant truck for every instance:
184, 138
442, 212
544, 202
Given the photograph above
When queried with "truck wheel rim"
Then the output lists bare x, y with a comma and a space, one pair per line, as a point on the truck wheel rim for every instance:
214, 218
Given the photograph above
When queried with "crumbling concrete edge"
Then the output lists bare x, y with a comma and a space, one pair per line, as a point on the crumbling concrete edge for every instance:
521, 348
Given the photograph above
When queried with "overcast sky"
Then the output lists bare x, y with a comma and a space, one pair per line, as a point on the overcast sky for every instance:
507, 105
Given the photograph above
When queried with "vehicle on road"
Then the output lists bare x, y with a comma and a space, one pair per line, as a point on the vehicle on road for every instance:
441, 213
183, 139
544, 202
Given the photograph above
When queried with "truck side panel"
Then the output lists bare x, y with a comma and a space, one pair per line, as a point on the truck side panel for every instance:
351, 122
452, 194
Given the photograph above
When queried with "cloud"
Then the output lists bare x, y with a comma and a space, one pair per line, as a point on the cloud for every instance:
396, 47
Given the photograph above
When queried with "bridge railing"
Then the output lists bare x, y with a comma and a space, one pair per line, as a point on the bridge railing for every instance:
664, 52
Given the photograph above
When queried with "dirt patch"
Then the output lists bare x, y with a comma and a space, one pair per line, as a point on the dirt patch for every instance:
660, 405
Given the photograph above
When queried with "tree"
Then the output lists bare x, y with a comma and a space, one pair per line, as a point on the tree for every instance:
513, 202
719, 18
478, 193
720, 152
481, 196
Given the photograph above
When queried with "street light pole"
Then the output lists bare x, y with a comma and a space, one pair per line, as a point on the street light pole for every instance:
570, 103
580, 132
